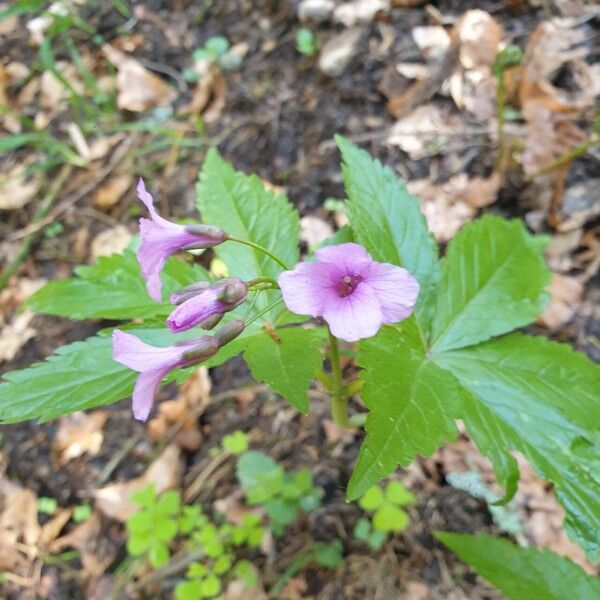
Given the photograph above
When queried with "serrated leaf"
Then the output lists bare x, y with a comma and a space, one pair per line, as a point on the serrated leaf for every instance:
243, 207
410, 414
76, 377
540, 398
523, 573
493, 280
113, 288
387, 220
287, 364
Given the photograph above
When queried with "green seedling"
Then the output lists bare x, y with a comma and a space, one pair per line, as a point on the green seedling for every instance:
236, 442
283, 495
306, 43
154, 526
387, 513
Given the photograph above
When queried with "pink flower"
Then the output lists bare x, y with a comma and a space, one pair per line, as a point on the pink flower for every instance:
154, 363
353, 293
161, 238
203, 304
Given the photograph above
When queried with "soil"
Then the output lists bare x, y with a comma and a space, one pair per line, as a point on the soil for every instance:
278, 121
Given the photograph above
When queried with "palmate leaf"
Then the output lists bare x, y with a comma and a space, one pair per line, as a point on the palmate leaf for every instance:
113, 288
386, 219
523, 573
541, 398
412, 404
287, 364
493, 280
242, 206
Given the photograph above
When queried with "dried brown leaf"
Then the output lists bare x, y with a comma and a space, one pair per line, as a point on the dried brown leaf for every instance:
79, 433
164, 473
111, 241
111, 191
17, 188
15, 334
565, 299
138, 88
314, 230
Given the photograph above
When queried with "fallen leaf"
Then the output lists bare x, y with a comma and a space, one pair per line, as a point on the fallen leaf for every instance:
314, 230
479, 35
417, 590
18, 514
338, 51
432, 40
565, 299
359, 11
79, 433
15, 334
164, 473
111, 191
17, 188
52, 528
96, 553
315, 10
15, 293
138, 88
111, 241
424, 131
238, 590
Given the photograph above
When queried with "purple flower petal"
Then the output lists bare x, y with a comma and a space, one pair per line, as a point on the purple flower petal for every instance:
355, 316
396, 289
130, 351
144, 392
307, 289
345, 256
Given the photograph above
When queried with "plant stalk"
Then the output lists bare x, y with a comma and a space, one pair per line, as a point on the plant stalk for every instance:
339, 400
260, 249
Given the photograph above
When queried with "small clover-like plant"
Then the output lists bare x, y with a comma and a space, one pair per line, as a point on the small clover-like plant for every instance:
154, 526
283, 495
235, 443
388, 515
306, 43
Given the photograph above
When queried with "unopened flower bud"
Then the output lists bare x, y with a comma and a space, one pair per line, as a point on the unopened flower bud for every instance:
229, 332
233, 292
208, 236
211, 322
189, 292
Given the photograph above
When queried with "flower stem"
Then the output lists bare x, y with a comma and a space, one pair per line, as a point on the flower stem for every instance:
265, 311
339, 400
260, 249
259, 280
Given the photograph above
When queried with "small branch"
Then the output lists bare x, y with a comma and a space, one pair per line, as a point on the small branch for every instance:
39, 216
566, 158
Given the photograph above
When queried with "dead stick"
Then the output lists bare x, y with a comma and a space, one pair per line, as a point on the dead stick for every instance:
40, 214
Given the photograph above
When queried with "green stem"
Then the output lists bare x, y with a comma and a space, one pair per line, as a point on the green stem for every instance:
264, 311
566, 158
260, 249
339, 400
500, 107
258, 280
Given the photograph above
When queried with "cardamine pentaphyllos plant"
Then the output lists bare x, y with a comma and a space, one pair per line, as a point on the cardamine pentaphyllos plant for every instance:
434, 336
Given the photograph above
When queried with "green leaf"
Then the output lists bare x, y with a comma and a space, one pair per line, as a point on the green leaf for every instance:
287, 364
329, 554
523, 573
242, 206
362, 529
541, 398
390, 518
211, 586
409, 414
113, 288
372, 499
78, 376
139, 544
159, 554
259, 475
397, 494
47, 505
387, 220
281, 511
169, 503
189, 590
493, 280
236, 442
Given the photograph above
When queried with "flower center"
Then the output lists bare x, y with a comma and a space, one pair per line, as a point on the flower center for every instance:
348, 284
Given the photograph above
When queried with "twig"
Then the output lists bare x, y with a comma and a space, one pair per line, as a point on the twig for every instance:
116, 459
116, 159
566, 158
39, 216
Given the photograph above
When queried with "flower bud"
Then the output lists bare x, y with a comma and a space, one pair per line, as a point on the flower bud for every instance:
189, 292
211, 322
229, 332
208, 236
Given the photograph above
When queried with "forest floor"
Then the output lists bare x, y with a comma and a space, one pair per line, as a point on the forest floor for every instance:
411, 84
